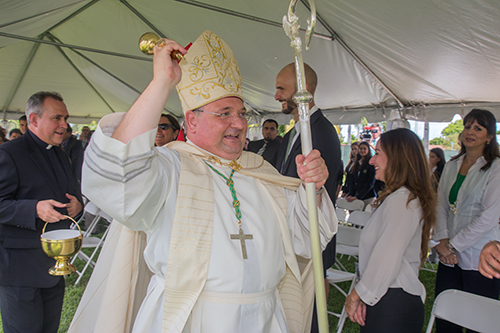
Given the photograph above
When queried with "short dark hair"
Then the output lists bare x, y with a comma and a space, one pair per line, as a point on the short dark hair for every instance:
270, 121
69, 129
15, 130
35, 102
172, 120
23, 117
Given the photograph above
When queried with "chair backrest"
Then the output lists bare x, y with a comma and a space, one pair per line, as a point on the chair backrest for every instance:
348, 235
359, 218
341, 214
353, 205
468, 310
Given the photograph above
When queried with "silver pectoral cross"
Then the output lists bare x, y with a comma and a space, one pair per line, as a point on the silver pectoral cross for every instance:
242, 237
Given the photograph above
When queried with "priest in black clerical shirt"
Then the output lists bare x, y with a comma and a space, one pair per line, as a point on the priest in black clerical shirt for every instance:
37, 187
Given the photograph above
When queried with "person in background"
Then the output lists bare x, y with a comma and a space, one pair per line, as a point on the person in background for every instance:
340, 178
14, 133
376, 131
74, 150
168, 129
389, 296
348, 168
3, 137
361, 184
267, 147
436, 163
23, 124
468, 211
84, 136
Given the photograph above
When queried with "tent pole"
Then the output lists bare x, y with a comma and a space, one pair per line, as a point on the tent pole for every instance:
245, 16
70, 16
114, 76
76, 47
426, 136
81, 75
37, 15
143, 19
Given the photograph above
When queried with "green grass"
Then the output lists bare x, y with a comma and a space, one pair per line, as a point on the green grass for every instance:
335, 300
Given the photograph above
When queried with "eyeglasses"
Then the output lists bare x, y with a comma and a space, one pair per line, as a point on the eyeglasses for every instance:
165, 126
227, 117
374, 131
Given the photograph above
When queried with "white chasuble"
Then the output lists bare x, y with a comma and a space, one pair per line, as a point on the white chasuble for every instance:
139, 187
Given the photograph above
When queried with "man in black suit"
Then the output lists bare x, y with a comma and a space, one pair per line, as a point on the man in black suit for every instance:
74, 149
268, 147
324, 139
36, 186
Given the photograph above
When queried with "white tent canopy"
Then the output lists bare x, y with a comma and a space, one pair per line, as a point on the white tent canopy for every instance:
425, 60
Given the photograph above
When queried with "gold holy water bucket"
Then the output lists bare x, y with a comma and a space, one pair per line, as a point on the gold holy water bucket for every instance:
62, 244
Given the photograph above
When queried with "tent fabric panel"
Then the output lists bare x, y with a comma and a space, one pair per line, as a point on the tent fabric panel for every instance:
426, 50
17, 10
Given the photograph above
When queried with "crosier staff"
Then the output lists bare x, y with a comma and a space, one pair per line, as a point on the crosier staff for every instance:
302, 97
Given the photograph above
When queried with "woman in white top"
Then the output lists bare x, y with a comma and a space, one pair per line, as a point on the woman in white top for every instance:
389, 296
468, 211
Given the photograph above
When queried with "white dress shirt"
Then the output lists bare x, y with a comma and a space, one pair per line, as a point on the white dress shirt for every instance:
389, 249
477, 210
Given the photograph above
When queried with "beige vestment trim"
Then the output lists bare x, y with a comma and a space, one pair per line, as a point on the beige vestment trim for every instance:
120, 278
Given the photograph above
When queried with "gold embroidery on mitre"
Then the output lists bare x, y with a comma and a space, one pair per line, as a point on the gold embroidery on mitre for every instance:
209, 73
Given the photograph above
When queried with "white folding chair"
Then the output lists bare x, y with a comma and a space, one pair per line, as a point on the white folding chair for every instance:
341, 215
359, 218
351, 206
430, 265
471, 311
347, 243
334, 277
91, 242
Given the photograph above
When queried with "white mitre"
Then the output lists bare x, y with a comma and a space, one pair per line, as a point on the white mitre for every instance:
209, 72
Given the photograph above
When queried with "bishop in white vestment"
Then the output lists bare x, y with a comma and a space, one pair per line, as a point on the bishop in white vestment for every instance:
227, 236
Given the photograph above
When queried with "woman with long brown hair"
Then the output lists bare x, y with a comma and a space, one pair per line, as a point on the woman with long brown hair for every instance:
468, 211
389, 296
352, 160
361, 185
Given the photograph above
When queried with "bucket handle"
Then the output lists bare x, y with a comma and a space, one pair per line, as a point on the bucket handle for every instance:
68, 217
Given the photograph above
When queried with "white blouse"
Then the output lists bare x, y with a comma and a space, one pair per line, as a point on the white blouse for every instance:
389, 249
477, 210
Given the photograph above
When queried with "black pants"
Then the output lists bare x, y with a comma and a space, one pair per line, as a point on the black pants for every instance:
469, 281
31, 310
397, 311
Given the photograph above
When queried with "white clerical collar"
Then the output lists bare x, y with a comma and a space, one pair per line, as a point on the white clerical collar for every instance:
49, 146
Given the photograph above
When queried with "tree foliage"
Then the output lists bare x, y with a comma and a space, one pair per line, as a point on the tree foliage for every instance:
453, 128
